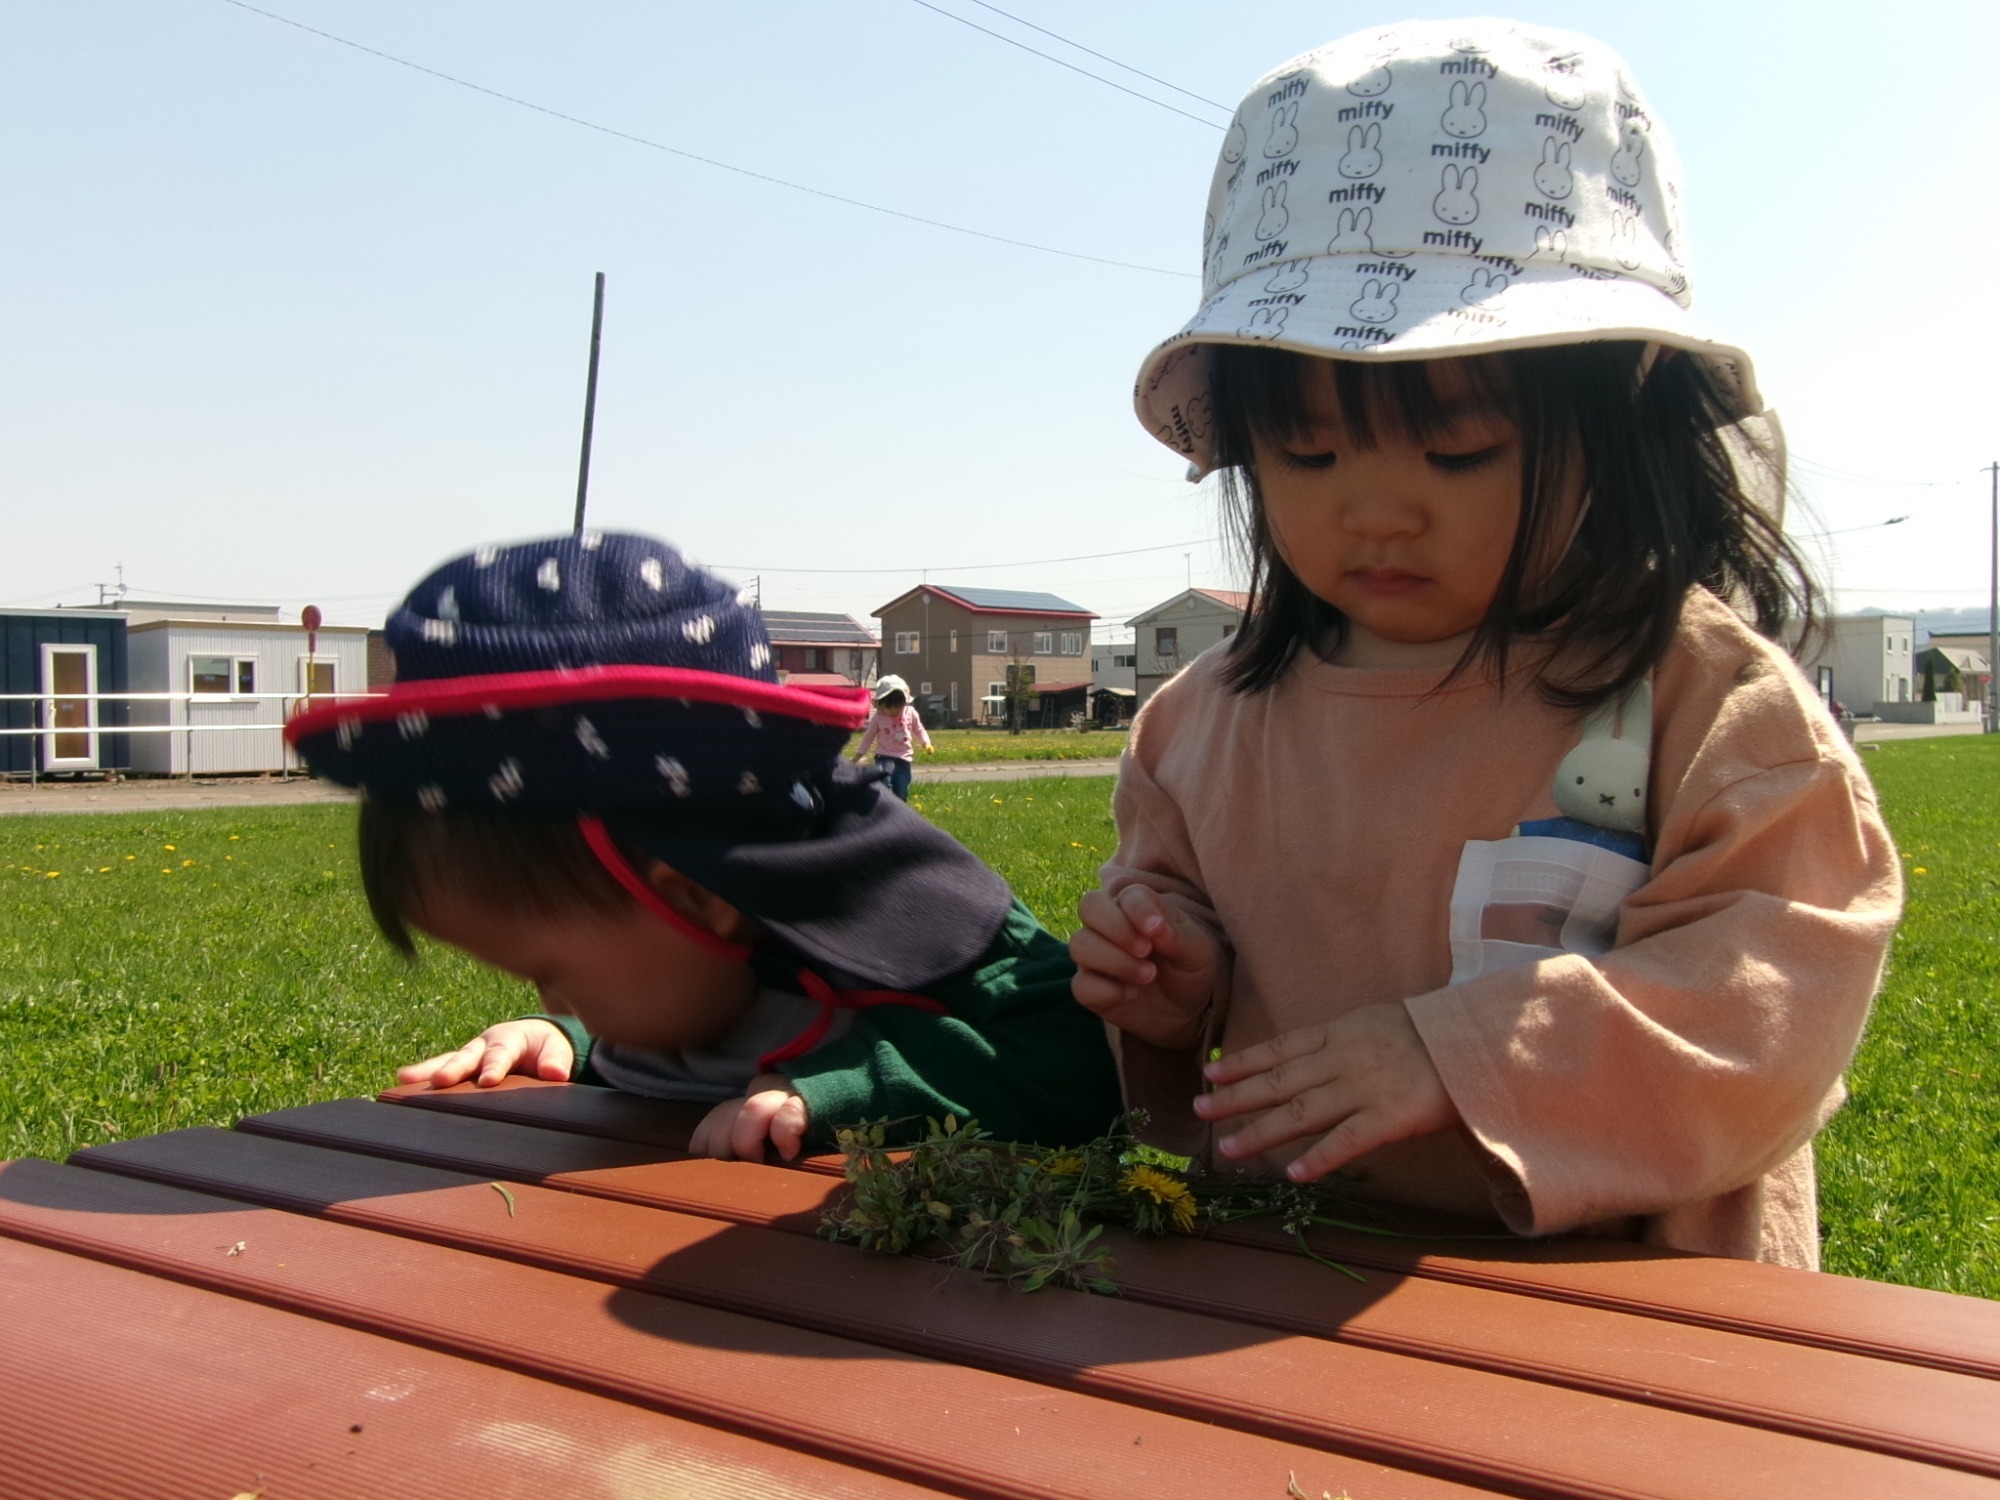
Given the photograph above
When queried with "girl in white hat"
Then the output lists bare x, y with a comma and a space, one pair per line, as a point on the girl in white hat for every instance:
1503, 861
894, 731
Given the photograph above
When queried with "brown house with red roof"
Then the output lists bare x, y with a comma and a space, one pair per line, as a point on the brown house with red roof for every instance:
954, 647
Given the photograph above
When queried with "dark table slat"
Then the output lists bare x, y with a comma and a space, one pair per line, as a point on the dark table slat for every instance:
1934, 1415
1907, 1324
963, 1431
114, 1382
1445, 1419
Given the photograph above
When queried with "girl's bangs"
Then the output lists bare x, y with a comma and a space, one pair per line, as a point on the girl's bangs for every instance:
1275, 396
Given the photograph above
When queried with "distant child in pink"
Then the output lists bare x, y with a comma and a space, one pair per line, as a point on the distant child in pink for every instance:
894, 731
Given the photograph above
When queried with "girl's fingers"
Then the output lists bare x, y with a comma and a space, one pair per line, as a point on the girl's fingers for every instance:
1096, 954
1310, 1114
1350, 1140
753, 1125
1264, 1056
1101, 914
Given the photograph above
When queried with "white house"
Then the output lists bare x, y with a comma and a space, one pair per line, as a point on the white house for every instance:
1868, 660
244, 675
1169, 636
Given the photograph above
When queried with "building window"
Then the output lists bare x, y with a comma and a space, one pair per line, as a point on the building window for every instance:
996, 697
811, 662
951, 697
222, 676
318, 677
954, 640
854, 663
906, 643
1045, 643
923, 690
1072, 643
1167, 641
996, 642
1125, 661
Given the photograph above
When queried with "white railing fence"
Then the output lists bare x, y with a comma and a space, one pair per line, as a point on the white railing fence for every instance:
43, 706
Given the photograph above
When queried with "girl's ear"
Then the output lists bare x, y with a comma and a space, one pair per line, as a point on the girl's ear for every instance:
696, 903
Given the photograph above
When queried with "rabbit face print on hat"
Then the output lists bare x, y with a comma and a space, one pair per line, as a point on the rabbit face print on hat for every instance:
1431, 189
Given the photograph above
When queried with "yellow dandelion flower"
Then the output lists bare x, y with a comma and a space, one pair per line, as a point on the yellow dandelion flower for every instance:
1063, 1166
104, 869
54, 873
131, 856
1920, 870
169, 848
234, 837
185, 863
1155, 1184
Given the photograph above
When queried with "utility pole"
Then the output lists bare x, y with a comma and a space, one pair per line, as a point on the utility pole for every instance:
590, 399
1993, 611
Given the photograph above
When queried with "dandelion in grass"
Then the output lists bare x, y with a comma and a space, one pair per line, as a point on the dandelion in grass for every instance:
170, 848
1066, 1165
1920, 870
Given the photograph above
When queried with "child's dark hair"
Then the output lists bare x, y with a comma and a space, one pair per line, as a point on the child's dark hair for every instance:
893, 700
1668, 508
514, 866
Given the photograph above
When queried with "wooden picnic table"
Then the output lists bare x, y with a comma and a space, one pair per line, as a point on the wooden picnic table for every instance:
337, 1300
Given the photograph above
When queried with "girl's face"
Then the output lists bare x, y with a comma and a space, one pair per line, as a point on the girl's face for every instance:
1407, 538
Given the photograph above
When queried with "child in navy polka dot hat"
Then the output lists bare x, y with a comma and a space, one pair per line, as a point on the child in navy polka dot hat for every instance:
589, 776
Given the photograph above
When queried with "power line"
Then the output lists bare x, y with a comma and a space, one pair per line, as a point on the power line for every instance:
1105, 57
1046, 57
1828, 471
707, 161
1039, 562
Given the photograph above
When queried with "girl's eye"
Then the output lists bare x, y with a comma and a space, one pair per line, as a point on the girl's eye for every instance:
1309, 460
1459, 463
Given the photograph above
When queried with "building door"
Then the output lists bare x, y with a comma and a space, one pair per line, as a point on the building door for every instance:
69, 711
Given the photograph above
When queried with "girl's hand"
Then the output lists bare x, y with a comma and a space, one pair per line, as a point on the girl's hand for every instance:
535, 1047
1365, 1080
1144, 968
736, 1130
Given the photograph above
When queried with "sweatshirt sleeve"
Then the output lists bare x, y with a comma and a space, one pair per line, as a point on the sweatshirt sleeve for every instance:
1155, 850
868, 738
1015, 1052
1707, 1046
920, 734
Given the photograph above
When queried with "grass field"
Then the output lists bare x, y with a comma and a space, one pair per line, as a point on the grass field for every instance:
963, 747
178, 969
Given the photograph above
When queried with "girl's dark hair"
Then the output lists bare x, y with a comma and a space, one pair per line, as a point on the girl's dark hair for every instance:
513, 866
893, 699
1668, 507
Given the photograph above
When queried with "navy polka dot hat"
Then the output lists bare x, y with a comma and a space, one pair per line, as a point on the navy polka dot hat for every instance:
585, 674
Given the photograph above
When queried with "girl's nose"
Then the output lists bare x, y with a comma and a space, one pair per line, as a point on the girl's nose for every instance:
1373, 510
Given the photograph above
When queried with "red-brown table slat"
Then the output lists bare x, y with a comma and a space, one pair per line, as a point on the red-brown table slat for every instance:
1909, 1324
114, 1382
1446, 1419
965, 1431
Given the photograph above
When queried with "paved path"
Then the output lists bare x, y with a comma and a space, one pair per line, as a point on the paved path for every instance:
164, 793
298, 791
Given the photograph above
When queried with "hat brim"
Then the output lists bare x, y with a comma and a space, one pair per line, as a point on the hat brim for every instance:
870, 890
1412, 307
587, 740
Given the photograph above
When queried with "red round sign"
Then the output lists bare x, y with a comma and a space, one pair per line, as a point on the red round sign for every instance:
309, 617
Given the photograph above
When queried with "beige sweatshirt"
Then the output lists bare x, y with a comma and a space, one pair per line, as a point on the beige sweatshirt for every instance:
1666, 1091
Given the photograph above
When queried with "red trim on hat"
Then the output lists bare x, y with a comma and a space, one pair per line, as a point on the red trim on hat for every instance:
613, 859
829, 1000
448, 696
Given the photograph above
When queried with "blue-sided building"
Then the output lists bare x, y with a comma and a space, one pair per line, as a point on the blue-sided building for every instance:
53, 663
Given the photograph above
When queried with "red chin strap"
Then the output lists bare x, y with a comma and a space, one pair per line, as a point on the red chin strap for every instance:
613, 859
825, 996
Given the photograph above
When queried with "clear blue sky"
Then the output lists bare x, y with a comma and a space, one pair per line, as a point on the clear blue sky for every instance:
284, 321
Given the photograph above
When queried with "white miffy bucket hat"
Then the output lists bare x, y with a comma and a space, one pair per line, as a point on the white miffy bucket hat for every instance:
1435, 188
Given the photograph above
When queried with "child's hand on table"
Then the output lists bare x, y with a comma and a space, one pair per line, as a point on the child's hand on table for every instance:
736, 1130
532, 1046
1144, 968
1359, 1082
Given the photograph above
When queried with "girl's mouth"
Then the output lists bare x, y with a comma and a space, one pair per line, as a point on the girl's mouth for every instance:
1386, 583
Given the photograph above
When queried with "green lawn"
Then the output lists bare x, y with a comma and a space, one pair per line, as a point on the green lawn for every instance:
962, 747
144, 987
